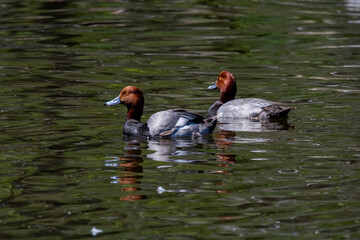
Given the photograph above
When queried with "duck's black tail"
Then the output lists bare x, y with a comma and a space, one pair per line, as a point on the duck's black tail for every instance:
284, 112
208, 125
277, 111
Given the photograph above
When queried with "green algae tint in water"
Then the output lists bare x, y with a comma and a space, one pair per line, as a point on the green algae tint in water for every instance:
67, 172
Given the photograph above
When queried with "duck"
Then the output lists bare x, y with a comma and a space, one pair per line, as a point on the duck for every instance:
168, 123
244, 108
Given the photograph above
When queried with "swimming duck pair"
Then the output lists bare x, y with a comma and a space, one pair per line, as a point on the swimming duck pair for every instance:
180, 123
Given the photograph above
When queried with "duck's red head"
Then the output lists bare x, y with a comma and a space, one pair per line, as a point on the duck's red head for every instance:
227, 85
133, 98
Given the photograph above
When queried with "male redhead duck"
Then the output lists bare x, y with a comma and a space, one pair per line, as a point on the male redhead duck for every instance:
169, 123
243, 108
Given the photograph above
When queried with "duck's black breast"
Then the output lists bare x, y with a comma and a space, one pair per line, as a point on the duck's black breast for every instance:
133, 127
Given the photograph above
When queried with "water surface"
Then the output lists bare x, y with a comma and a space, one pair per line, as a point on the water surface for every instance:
68, 173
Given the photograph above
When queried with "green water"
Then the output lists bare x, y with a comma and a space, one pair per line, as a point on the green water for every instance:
66, 170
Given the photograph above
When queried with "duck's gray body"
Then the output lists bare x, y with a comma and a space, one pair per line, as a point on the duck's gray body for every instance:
171, 123
248, 108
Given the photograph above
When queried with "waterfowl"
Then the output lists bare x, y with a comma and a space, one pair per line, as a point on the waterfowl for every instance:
243, 108
169, 123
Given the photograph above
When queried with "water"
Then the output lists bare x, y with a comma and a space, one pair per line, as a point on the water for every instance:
67, 172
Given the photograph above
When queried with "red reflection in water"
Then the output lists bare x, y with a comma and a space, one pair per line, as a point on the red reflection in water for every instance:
223, 143
131, 164
225, 159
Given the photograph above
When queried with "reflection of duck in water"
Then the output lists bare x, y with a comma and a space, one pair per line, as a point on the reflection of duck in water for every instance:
223, 142
175, 150
247, 125
186, 151
244, 108
129, 176
170, 123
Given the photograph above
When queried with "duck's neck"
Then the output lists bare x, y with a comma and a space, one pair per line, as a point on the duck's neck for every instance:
135, 112
214, 108
228, 93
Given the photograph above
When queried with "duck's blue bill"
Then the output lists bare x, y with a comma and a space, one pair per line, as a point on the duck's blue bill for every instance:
113, 102
212, 86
